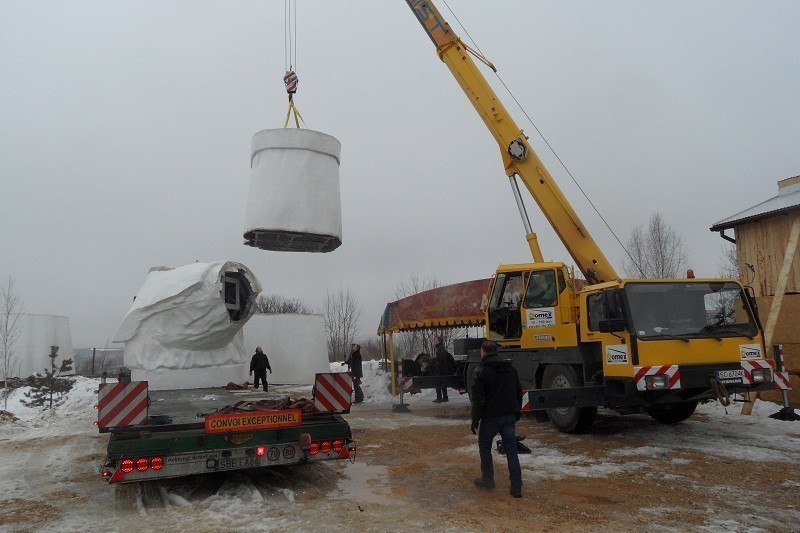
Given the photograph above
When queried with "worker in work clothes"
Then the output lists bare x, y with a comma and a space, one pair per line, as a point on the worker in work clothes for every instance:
443, 365
259, 364
496, 406
353, 363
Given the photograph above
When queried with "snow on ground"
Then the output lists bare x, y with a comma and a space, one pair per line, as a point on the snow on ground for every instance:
62, 445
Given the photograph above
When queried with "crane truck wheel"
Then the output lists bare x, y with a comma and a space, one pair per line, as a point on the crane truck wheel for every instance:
671, 413
567, 419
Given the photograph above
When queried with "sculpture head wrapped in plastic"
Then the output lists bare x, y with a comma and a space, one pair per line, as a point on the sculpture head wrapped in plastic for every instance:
184, 329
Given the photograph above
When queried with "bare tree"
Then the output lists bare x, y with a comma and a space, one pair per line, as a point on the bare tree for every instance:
10, 329
370, 349
410, 344
275, 304
728, 265
655, 252
341, 313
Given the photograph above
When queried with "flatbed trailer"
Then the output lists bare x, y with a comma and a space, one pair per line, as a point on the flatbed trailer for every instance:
174, 433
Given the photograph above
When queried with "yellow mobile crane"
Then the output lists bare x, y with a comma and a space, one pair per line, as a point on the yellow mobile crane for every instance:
658, 345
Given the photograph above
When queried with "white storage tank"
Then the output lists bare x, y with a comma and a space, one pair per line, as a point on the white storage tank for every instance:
293, 204
295, 344
37, 333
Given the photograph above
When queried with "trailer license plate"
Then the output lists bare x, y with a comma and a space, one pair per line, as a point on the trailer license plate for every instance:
230, 463
730, 376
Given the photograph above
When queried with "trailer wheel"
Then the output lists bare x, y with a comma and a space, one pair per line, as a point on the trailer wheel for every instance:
671, 413
126, 498
567, 419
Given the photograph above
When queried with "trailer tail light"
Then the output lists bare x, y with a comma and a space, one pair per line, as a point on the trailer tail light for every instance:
261, 450
337, 445
141, 464
157, 463
314, 448
126, 466
325, 447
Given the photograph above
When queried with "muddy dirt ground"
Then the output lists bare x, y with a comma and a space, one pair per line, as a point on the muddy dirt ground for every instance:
414, 471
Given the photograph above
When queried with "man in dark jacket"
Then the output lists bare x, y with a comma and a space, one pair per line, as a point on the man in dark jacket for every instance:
443, 365
259, 364
496, 405
353, 363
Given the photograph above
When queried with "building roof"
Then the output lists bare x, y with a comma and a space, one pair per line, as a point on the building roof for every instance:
788, 200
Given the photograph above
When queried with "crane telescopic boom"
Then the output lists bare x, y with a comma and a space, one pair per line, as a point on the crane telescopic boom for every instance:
519, 158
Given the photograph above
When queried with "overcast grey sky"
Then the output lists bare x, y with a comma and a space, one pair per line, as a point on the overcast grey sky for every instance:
125, 134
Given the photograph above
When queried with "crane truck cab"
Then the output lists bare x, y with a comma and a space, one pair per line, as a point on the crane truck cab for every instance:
532, 305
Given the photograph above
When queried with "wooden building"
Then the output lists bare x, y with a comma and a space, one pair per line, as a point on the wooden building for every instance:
766, 238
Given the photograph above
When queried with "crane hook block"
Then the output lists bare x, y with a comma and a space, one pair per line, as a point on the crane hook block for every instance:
290, 80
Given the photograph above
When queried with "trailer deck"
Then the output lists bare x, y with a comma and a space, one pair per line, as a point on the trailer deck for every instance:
190, 406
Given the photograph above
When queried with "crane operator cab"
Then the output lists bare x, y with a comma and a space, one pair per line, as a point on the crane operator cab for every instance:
525, 299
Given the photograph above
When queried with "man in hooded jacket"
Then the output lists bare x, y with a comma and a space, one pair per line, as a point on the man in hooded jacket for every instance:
496, 406
259, 364
353, 363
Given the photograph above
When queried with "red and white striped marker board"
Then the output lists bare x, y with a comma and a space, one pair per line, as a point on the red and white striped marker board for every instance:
332, 392
121, 404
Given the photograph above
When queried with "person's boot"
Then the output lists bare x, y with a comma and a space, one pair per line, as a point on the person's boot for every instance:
484, 484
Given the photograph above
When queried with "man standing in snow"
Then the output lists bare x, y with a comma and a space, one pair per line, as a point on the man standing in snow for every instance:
443, 365
353, 363
259, 364
496, 406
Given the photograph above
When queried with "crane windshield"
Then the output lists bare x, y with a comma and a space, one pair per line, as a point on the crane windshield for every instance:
689, 309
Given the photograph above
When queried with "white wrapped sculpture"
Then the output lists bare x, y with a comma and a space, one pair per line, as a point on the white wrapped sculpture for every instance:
295, 344
184, 329
293, 204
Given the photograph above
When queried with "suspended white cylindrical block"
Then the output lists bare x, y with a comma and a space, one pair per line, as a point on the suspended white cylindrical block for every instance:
294, 204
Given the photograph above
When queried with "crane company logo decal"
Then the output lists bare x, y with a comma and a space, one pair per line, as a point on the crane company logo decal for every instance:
617, 354
254, 420
749, 351
537, 318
